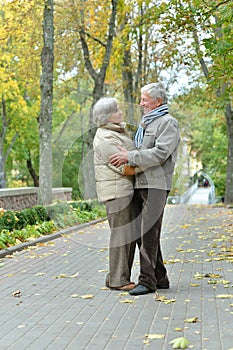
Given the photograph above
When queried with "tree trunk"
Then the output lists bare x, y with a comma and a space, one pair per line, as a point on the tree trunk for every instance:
2, 172
2, 139
98, 91
32, 172
4, 154
46, 85
229, 177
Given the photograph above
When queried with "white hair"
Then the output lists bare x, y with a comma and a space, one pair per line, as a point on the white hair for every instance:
155, 91
103, 109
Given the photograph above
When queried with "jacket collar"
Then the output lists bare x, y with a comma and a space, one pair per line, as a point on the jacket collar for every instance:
115, 127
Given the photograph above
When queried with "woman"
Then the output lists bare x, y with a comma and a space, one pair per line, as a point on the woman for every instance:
115, 190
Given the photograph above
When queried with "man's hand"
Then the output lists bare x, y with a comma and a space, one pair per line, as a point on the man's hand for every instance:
119, 158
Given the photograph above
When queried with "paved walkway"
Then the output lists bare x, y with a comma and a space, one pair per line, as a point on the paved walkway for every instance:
53, 296
200, 196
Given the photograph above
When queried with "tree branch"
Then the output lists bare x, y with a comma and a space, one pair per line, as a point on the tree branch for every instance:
199, 53
86, 55
95, 39
9, 148
111, 34
217, 6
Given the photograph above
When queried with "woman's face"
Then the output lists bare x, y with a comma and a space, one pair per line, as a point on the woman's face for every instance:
116, 117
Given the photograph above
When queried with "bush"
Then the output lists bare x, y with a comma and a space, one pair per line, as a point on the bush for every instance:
11, 220
8, 220
20, 226
55, 209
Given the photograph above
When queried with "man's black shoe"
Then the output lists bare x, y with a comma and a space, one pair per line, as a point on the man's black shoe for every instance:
140, 290
160, 286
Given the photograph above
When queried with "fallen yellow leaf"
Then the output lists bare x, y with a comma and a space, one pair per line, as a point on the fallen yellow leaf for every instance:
87, 296
177, 329
102, 270
212, 275
164, 299
63, 275
192, 320
194, 284
127, 301
74, 295
224, 296
154, 336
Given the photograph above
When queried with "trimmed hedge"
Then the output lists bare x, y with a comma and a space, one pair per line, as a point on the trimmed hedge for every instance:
17, 220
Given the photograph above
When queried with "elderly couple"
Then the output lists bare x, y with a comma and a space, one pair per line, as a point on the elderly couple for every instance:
133, 180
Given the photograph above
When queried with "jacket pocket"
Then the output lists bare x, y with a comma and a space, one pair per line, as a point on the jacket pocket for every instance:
149, 140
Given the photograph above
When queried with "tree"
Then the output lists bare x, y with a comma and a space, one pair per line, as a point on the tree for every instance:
45, 122
19, 73
202, 124
204, 32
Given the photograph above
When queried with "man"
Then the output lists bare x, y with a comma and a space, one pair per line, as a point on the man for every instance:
157, 140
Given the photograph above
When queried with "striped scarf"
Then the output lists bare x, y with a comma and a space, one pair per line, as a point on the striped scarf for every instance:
146, 120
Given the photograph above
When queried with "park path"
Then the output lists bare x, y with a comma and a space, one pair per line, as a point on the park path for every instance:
53, 295
200, 196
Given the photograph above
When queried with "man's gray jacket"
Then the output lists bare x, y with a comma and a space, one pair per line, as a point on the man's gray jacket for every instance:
157, 154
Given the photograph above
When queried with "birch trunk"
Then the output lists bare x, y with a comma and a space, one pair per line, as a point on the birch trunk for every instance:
46, 85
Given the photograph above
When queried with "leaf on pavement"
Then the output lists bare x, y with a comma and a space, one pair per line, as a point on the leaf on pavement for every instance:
164, 299
185, 226
16, 294
74, 296
127, 301
212, 275
179, 343
63, 275
87, 296
123, 293
224, 296
198, 276
218, 282
102, 270
192, 320
154, 336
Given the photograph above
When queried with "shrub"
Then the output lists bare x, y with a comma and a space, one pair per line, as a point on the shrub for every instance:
55, 209
34, 222
8, 220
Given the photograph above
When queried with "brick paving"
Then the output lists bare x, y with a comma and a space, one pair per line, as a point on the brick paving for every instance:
53, 295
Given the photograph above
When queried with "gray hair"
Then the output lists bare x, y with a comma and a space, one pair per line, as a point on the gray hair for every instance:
103, 109
155, 91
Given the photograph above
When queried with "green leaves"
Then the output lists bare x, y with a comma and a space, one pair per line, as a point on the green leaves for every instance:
179, 343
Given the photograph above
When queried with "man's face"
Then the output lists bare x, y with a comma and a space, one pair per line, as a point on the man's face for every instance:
148, 103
